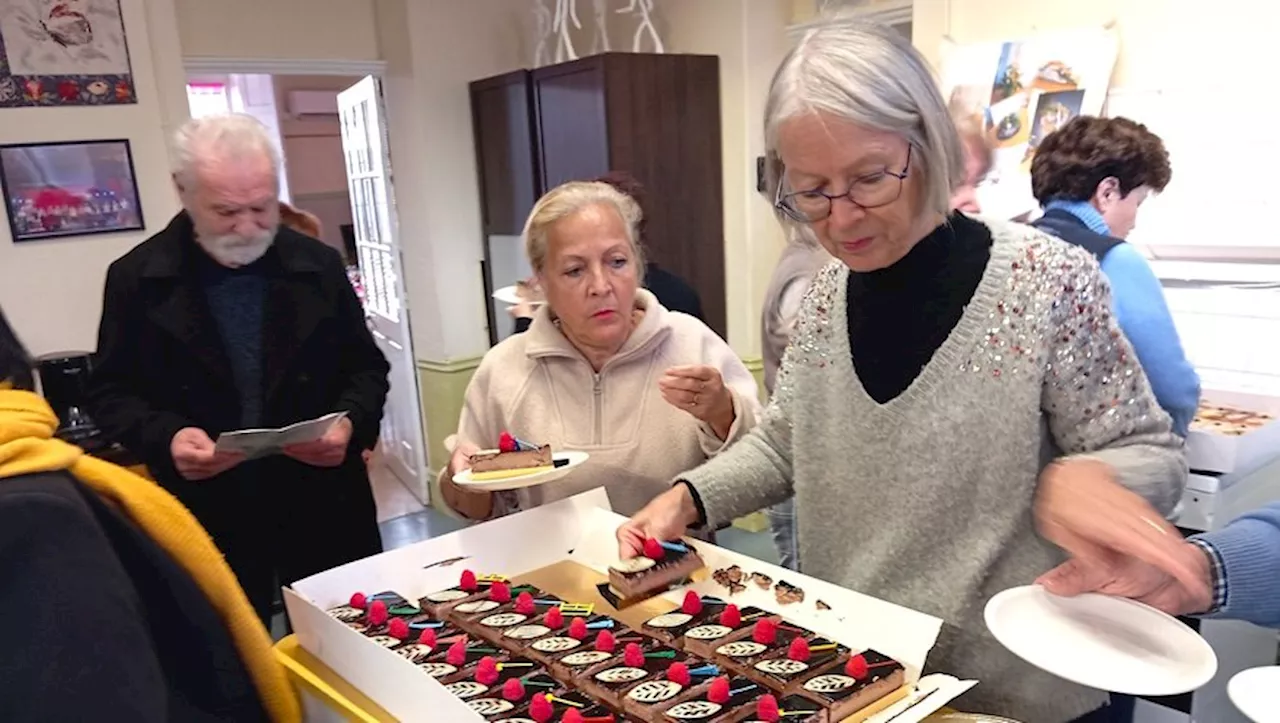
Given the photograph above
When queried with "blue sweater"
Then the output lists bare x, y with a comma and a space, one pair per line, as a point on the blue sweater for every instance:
1250, 551
1144, 317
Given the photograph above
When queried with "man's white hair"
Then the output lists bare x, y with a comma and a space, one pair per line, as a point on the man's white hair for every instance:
231, 136
869, 75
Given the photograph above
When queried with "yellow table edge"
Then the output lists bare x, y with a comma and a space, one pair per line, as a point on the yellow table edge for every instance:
309, 674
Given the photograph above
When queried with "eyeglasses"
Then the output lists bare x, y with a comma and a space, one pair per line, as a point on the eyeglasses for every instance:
870, 191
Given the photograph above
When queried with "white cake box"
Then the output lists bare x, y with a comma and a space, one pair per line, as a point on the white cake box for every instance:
1231, 454
580, 529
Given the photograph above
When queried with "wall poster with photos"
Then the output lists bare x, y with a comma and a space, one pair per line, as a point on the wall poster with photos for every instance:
1023, 90
63, 53
69, 188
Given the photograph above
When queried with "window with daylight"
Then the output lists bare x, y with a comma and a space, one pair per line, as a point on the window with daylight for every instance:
205, 99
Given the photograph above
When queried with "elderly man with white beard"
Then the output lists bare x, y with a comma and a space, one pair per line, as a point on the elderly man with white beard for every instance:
227, 320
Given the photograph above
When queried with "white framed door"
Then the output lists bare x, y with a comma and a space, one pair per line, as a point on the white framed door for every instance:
378, 249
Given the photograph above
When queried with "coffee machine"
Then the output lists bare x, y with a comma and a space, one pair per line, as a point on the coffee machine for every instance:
63, 379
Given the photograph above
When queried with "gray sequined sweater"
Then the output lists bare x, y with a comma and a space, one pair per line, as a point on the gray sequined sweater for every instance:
925, 501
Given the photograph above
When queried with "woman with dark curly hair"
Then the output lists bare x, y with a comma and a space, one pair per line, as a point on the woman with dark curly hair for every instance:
1091, 176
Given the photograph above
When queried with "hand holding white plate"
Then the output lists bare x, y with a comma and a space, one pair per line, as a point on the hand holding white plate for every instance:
565, 462
509, 295
1256, 692
1102, 642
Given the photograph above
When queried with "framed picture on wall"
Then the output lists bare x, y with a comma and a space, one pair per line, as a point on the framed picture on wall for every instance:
63, 52
69, 188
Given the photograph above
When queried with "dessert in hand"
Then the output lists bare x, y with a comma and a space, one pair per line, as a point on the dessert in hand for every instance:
866, 678
661, 565
513, 459
724, 700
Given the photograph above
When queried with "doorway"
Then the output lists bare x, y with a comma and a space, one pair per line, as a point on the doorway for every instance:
329, 128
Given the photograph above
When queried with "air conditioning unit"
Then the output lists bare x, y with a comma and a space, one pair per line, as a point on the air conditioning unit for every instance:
312, 103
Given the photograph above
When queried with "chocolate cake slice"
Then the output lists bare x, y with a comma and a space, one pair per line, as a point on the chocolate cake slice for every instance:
712, 630
501, 601
611, 680
694, 610
765, 639
785, 671
494, 465
551, 707
470, 588
722, 700
605, 645
866, 678
572, 633
509, 702
456, 657
644, 699
791, 709
662, 565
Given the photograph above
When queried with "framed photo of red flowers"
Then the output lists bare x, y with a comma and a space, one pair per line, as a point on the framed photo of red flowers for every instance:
69, 188
62, 53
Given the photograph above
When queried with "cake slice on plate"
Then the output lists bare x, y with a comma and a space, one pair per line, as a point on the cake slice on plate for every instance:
513, 458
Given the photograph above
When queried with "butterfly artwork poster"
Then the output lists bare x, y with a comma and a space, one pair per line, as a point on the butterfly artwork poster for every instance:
64, 53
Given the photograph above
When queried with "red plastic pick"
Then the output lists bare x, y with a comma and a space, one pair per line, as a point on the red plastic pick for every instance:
457, 656
468, 582
653, 549
765, 632
767, 709
377, 612
524, 604
427, 637
554, 618
513, 690
499, 592
541, 710
692, 604
799, 650
633, 656
857, 667
358, 601
487, 671
605, 642
718, 693
678, 673
398, 629
731, 616
578, 629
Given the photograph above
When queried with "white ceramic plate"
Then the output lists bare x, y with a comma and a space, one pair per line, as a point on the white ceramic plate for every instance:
1256, 692
1103, 642
508, 295
572, 459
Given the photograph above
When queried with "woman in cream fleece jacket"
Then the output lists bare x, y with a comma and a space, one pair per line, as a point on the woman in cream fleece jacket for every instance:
603, 368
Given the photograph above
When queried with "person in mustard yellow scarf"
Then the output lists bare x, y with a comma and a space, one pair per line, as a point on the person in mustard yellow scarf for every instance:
115, 603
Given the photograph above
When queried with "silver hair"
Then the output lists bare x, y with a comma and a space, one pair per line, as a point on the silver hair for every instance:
569, 198
870, 75
223, 136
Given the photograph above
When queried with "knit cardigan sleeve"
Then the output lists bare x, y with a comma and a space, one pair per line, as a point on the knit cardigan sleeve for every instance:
1096, 398
1250, 552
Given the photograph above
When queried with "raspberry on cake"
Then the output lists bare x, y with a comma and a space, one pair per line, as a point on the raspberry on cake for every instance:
866, 678
722, 700
606, 645
787, 670
456, 657
711, 630
513, 604
470, 588
649, 696
573, 633
611, 680
791, 709
662, 565
766, 638
513, 458
670, 627
549, 707
489, 677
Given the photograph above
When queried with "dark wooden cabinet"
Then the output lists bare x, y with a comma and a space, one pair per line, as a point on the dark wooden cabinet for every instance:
655, 116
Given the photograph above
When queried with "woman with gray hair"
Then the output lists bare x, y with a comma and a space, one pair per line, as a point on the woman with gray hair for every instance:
939, 368
603, 368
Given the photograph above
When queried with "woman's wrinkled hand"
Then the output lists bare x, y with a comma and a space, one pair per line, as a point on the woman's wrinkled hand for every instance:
667, 517
699, 390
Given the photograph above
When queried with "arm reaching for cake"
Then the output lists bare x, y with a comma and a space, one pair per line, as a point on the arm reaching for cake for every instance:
667, 517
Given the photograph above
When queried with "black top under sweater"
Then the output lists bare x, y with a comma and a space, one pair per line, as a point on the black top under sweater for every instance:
237, 299
901, 314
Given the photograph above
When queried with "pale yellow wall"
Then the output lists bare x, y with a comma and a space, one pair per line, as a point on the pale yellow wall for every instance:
278, 29
52, 290
1162, 45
